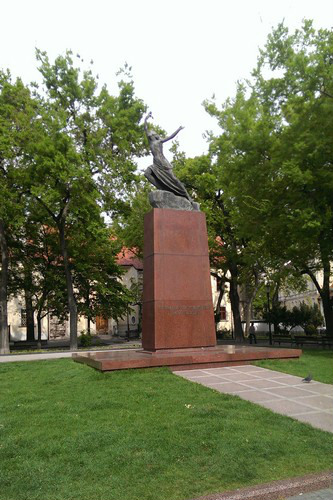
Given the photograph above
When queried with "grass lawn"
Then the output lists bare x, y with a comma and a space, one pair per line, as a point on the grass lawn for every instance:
70, 432
315, 361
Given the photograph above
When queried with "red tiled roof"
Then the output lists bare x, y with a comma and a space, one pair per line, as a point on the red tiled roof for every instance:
128, 258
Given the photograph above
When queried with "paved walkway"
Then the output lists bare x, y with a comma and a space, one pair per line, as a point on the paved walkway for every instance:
58, 355
326, 494
310, 487
282, 393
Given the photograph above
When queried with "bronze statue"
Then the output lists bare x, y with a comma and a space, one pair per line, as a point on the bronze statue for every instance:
160, 173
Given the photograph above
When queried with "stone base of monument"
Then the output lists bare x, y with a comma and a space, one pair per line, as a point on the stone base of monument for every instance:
178, 318
183, 359
166, 200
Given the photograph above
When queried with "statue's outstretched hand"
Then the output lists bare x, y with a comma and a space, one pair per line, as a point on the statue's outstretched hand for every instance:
147, 118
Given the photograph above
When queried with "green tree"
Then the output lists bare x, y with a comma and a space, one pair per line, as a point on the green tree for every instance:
274, 156
85, 156
17, 116
298, 94
203, 178
97, 276
128, 226
40, 271
239, 157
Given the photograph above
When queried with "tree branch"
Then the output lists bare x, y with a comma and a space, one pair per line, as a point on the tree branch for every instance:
49, 211
323, 92
310, 273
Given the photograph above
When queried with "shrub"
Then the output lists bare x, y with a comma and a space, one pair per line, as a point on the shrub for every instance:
85, 340
308, 317
223, 334
310, 330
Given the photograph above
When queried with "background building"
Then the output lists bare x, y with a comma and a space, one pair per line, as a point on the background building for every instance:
53, 328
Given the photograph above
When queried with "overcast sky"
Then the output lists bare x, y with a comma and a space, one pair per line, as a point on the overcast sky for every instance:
181, 51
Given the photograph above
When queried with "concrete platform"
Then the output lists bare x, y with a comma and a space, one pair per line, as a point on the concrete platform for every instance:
187, 359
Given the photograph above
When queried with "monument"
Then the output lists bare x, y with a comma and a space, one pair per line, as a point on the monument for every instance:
177, 296
178, 320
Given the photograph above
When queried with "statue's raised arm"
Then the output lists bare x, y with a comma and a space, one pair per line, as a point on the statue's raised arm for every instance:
173, 135
145, 122
148, 133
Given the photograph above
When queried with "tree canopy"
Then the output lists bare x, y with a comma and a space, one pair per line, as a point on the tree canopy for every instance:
68, 151
267, 183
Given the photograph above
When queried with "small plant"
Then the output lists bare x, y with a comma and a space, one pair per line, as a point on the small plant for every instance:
223, 334
310, 330
85, 339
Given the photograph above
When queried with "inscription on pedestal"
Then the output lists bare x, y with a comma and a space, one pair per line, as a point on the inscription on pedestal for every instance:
187, 310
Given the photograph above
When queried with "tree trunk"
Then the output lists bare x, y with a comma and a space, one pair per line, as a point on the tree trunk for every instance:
327, 299
234, 300
39, 329
324, 291
275, 303
328, 313
29, 314
248, 314
72, 306
128, 326
217, 314
4, 337
88, 309
250, 293
140, 319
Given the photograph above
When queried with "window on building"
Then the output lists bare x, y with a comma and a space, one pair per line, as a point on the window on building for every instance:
223, 313
23, 317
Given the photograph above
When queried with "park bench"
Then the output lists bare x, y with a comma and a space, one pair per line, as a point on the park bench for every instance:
323, 341
307, 340
327, 341
24, 344
282, 339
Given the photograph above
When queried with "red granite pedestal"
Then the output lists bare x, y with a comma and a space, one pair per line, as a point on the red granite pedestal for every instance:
178, 318
177, 294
